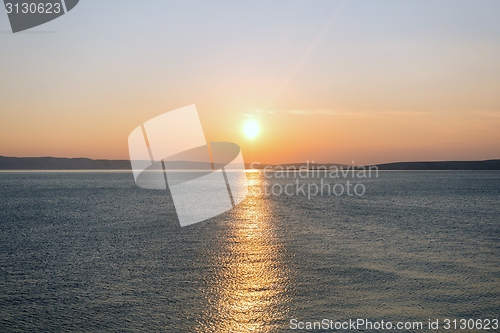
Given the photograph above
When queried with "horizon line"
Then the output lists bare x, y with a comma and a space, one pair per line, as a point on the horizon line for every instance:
309, 162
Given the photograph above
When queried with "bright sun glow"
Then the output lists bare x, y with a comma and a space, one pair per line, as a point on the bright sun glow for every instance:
251, 129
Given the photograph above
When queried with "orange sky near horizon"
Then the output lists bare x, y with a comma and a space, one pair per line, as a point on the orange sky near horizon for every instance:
327, 82
367, 137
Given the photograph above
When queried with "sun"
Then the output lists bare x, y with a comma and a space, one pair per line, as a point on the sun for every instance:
251, 129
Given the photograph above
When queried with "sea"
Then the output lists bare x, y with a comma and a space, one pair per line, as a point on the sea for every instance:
92, 252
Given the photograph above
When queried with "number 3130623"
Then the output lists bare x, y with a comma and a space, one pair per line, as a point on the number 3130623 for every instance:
33, 8
471, 324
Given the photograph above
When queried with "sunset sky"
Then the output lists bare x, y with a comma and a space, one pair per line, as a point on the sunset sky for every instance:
329, 81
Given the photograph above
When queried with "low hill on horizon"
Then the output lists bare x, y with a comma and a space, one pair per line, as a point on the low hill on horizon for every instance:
61, 163
444, 165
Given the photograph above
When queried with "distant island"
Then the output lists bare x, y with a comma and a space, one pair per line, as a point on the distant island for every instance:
57, 163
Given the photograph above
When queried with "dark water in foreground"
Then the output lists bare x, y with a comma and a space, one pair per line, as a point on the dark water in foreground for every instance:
91, 252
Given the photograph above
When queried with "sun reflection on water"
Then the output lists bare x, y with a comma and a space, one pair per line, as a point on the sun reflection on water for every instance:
248, 290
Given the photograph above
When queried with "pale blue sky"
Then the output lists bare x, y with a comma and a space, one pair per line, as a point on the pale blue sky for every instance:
118, 61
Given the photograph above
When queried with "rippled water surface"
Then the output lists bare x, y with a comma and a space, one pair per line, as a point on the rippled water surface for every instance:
91, 252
